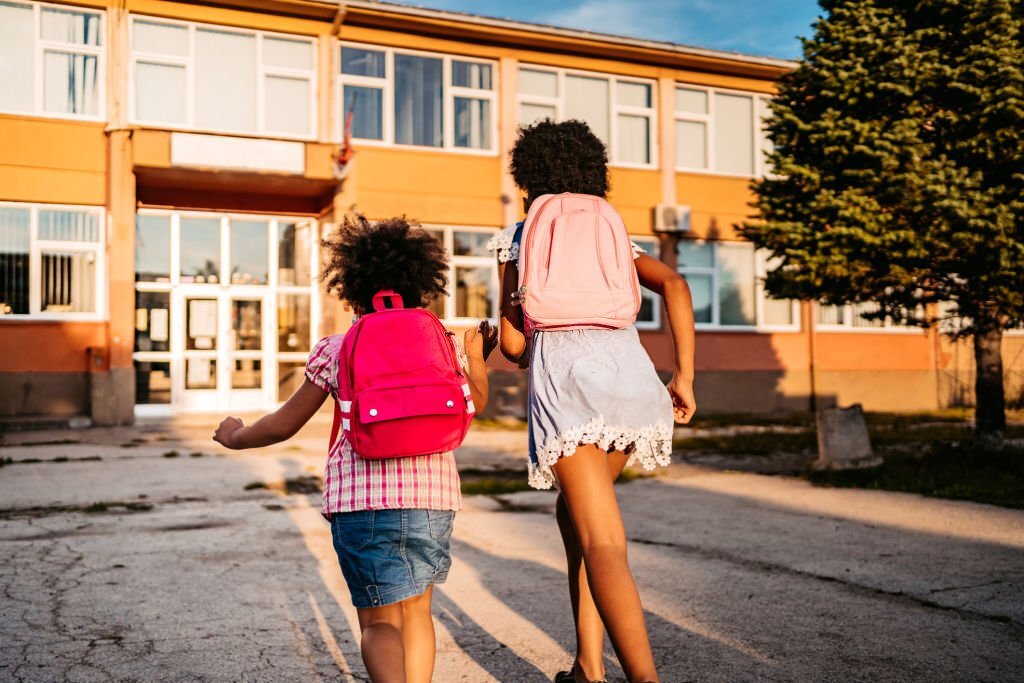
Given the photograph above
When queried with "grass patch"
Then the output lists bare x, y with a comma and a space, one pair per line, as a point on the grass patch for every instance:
254, 486
304, 484
107, 506
196, 454
6, 461
171, 454
944, 470
758, 443
492, 482
499, 424
713, 420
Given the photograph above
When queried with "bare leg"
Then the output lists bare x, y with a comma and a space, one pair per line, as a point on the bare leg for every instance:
382, 648
418, 636
589, 664
589, 497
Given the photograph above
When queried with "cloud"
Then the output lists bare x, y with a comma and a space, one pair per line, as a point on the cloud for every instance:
622, 17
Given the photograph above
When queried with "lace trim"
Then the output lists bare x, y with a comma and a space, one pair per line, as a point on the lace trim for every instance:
637, 249
504, 245
652, 446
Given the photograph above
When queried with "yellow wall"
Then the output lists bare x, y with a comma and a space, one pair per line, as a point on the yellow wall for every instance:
46, 160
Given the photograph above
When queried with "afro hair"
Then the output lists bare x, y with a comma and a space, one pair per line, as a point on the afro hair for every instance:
551, 158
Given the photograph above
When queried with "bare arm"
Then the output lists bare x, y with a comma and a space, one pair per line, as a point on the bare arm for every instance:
513, 340
672, 287
479, 342
276, 427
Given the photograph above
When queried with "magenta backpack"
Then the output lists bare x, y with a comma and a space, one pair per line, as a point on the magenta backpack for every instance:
576, 267
401, 390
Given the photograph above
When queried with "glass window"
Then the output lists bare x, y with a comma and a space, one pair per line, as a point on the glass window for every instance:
200, 373
472, 275
367, 107
691, 101
418, 111
290, 377
287, 54
472, 123
225, 80
734, 133
293, 253
293, 323
15, 232
469, 243
152, 321
359, 62
201, 324
68, 226
721, 131
531, 113
68, 282
248, 252
587, 99
696, 254
152, 382
691, 144
247, 374
735, 284
475, 292
17, 60
633, 94
543, 83
162, 39
68, 26
649, 316
286, 103
200, 250
70, 83
634, 139
152, 248
471, 75
246, 324
160, 92
700, 291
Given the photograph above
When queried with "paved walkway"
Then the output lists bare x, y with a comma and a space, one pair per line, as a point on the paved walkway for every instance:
143, 556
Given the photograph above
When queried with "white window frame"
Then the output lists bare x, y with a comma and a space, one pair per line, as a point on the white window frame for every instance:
387, 86
454, 261
614, 108
650, 244
760, 103
188, 62
35, 263
759, 294
849, 312
40, 46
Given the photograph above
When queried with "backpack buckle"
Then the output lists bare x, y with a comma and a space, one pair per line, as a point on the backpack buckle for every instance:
519, 296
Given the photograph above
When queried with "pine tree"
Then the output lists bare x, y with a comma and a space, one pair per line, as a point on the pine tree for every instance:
899, 154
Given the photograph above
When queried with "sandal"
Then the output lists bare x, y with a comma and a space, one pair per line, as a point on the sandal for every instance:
570, 677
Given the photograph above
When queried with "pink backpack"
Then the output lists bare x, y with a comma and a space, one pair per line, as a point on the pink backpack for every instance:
576, 267
401, 390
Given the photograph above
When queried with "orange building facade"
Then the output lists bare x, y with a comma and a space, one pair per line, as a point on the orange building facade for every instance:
166, 175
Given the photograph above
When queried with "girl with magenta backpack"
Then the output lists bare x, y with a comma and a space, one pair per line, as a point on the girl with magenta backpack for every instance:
570, 293
404, 396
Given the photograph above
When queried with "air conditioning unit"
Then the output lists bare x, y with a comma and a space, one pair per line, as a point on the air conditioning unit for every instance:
671, 218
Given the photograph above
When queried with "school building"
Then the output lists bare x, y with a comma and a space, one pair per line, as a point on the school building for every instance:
167, 171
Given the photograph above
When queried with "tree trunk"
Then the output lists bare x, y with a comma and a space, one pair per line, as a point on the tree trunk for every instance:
989, 397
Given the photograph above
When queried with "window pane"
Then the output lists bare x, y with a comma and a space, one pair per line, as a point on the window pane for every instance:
200, 373
68, 282
543, 83
530, 113
152, 248
14, 249
765, 145
246, 324
778, 311
691, 101
249, 253
163, 39
471, 243
831, 315
152, 383
65, 26
290, 377
418, 101
437, 305
700, 290
648, 303
225, 80
691, 144
587, 99
69, 226
633, 94
201, 324
286, 104
152, 321
293, 246
293, 324
735, 284
70, 83
367, 107
471, 75
200, 250
695, 254
357, 62
17, 44
160, 93
246, 374
734, 134
288, 54
474, 292
472, 123
858, 315
634, 140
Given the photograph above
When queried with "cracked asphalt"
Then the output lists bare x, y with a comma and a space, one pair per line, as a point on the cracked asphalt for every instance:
151, 554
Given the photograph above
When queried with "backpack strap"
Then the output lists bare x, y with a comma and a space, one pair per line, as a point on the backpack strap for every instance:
387, 298
340, 384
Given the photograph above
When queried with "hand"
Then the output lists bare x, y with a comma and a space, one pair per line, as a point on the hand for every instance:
226, 432
684, 405
480, 340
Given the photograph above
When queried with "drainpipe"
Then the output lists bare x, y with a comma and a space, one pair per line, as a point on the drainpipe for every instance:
810, 309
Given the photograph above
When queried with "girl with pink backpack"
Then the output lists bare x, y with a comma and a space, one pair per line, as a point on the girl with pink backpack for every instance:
404, 396
570, 293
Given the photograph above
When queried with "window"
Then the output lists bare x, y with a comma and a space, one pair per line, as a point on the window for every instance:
472, 275
851, 317
649, 317
204, 77
51, 261
721, 131
418, 99
51, 60
620, 111
726, 282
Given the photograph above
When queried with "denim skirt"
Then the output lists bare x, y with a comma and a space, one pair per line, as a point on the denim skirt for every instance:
387, 556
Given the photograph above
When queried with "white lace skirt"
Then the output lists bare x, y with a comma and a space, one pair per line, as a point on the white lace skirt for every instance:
595, 387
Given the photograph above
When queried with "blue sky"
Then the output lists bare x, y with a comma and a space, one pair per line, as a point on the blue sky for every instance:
762, 27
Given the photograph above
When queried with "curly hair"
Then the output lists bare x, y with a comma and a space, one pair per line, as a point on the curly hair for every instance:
551, 158
365, 257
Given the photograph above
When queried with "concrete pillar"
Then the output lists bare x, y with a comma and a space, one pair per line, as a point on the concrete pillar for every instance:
508, 124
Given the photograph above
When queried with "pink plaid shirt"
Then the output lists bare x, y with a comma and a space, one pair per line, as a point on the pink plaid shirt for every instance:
352, 483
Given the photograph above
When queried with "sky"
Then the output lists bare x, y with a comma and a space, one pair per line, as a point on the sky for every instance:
760, 27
